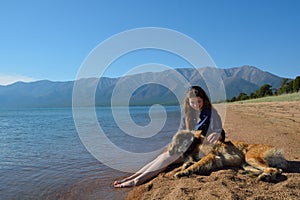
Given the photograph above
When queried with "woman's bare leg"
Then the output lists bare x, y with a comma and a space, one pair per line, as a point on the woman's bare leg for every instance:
150, 170
142, 170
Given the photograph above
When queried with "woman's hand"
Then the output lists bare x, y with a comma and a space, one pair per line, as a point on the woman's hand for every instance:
213, 138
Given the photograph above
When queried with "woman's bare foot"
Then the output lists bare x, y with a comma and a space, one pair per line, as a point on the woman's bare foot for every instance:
126, 184
121, 181
118, 182
126, 179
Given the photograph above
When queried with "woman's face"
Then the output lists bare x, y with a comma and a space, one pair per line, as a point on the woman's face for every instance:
196, 103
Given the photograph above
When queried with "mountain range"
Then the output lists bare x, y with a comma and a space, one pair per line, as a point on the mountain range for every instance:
144, 88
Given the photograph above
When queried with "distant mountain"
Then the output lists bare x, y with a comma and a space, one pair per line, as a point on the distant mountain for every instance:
252, 75
247, 79
144, 89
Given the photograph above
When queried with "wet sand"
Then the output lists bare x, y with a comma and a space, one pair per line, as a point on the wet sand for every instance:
275, 123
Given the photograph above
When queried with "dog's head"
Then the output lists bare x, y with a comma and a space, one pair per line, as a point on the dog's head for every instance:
181, 141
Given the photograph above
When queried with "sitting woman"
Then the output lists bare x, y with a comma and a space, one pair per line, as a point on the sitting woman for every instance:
198, 115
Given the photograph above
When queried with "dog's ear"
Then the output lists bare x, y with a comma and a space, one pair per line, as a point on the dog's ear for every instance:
198, 134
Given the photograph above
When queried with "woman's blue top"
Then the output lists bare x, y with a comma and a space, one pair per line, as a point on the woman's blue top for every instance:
210, 121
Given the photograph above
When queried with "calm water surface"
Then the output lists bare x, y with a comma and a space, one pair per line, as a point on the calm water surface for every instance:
42, 156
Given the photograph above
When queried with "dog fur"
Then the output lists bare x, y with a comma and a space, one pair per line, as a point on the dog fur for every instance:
263, 161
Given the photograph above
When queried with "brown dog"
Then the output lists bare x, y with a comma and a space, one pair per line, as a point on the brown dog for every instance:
264, 161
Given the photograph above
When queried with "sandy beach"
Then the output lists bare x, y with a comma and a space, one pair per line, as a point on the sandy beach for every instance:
274, 123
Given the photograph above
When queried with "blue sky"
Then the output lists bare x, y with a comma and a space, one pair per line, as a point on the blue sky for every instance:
50, 39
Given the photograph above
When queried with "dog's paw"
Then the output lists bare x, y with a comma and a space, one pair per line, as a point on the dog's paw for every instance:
269, 175
181, 174
187, 164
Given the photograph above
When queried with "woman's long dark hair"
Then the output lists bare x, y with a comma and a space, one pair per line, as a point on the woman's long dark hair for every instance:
190, 113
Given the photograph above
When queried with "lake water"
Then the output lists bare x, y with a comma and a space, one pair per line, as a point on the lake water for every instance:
42, 156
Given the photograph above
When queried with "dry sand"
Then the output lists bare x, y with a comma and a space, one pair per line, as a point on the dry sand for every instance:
275, 123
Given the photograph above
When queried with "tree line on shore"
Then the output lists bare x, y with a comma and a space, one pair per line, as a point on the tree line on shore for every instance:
287, 86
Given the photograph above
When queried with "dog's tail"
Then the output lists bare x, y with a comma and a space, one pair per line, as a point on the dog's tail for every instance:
275, 158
